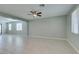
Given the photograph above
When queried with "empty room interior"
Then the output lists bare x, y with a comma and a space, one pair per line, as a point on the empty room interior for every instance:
39, 28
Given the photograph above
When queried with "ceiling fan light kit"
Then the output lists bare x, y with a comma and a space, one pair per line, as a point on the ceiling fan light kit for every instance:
35, 13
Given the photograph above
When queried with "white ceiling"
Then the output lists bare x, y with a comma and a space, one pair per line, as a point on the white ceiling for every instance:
4, 19
21, 10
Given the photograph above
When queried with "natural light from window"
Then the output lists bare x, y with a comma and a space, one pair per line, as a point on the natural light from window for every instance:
74, 23
10, 26
19, 26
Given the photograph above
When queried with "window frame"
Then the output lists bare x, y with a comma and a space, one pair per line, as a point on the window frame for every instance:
75, 22
9, 26
19, 27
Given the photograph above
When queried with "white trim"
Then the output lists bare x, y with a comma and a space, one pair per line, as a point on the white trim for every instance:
75, 48
44, 37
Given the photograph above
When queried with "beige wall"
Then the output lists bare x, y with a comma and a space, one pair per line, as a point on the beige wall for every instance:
72, 38
54, 27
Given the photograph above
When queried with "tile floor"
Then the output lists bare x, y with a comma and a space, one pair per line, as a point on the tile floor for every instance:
14, 44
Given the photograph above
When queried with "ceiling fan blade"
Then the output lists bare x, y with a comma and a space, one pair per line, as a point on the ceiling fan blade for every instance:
39, 13
33, 12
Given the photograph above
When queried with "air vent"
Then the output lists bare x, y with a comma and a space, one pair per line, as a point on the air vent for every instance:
42, 5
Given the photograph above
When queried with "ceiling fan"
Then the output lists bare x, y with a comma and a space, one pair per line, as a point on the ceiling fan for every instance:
35, 13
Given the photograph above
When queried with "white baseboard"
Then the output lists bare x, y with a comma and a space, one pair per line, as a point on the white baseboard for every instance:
44, 37
75, 48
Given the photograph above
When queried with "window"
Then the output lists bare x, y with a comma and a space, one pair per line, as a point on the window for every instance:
19, 26
74, 22
0, 28
10, 26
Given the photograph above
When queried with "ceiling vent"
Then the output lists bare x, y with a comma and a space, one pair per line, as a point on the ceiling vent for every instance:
42, 5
